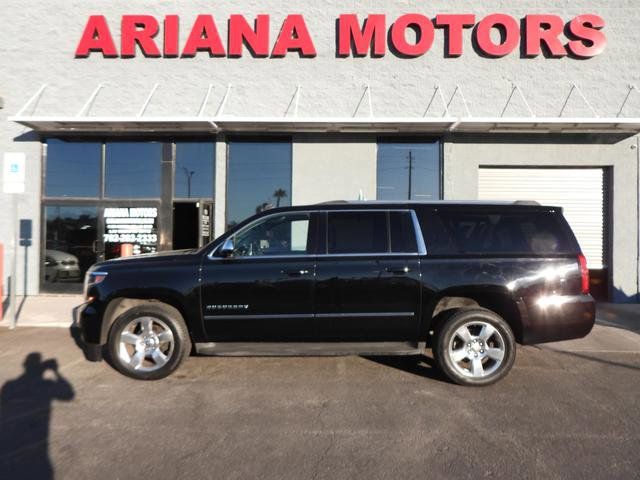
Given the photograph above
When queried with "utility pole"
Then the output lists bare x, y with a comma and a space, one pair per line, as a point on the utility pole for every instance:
410, 172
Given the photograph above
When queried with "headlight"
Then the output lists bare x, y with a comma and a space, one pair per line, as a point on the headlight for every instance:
91, 279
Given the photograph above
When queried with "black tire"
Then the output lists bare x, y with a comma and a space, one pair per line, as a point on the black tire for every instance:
164, 317
449, 343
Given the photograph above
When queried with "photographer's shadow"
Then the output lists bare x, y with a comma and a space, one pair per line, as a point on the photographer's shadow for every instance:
25, 412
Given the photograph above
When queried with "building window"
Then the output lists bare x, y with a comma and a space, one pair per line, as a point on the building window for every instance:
71, 234
72, 169
194, 172
258, 178
408, 171
132, 169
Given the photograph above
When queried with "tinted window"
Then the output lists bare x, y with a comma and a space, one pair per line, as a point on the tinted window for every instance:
194, 175
357, 232
73, 169
408, 171
132, 169
70, 246
258, 178
403, 237
286, 234
496, 233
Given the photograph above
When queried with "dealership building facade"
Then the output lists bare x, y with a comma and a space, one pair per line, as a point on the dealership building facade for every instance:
159, 128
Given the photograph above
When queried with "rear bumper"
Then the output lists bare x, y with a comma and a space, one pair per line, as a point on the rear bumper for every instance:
556, 317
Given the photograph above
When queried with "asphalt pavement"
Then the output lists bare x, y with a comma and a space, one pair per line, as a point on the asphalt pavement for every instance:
567, 410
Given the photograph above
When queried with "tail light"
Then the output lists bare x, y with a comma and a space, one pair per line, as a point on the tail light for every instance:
584, 273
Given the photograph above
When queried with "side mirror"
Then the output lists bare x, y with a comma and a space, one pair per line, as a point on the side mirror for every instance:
227, 248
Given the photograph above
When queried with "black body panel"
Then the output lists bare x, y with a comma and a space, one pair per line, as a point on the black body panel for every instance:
319, 297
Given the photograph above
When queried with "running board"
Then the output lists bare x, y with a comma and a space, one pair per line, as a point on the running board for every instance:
331, 349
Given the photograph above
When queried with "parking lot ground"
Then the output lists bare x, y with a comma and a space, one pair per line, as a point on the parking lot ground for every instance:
567, 410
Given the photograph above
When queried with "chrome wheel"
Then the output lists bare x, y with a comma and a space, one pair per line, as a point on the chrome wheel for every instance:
476, 349
145, 344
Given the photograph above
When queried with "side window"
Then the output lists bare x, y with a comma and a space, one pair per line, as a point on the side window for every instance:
286, 234
403, 235
357, 232
457, 232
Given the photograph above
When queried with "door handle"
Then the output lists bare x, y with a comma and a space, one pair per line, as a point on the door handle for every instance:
295, 273
398, 270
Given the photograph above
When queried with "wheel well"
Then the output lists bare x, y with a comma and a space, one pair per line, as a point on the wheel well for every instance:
118, 306
502, 304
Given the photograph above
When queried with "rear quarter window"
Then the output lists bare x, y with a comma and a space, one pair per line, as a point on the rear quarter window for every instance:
497, 233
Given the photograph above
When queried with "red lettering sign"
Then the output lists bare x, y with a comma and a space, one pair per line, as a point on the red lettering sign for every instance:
543, 29
424, 34
294, 36
204, 37
454, 24
410, 35
171, 31
509, 30
140, 29
590, 40
96, 38
373, 32
256, 39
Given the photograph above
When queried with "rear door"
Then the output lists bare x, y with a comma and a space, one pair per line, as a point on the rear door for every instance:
368, 276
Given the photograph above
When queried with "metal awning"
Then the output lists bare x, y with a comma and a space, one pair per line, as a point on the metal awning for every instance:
51, 124
290, 122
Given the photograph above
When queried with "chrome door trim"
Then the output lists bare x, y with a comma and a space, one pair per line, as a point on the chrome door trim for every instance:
309, 315
365, 314
422, 249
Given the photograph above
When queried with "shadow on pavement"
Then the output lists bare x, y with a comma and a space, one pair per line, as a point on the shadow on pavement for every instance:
597, 359
25, 412
419, 365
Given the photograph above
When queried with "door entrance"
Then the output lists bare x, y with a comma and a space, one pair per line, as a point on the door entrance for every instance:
191, 224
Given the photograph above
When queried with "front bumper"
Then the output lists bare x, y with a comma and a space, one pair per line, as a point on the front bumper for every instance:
556, 317
82, 333
89, 323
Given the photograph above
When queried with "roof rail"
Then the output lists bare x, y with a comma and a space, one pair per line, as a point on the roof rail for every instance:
526, 202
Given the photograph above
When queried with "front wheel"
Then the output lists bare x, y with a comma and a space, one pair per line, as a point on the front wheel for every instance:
475, 347
148, 342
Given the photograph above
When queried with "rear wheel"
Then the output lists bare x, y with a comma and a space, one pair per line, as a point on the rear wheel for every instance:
148, 342
475, 347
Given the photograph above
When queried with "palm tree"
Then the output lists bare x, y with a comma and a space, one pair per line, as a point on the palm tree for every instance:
279, 194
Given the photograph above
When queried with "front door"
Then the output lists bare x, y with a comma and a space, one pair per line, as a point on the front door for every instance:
368, 282
264, 290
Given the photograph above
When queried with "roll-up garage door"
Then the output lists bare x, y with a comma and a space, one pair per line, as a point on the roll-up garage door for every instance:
580, 191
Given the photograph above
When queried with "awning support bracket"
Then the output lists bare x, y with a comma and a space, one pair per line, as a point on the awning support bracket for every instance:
437, 90
515, 88
631, 89
574, 87
365, 93
146, 102
34, 99
223, 102
84, 111
464, 101
294, 101
205, 101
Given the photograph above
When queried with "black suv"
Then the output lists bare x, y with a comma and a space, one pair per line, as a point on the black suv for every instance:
468, 280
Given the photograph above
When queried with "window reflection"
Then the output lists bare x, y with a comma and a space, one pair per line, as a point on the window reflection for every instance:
408, 171
285, 234
70, 247
132, 169
194, 174
72, 169
258, 178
